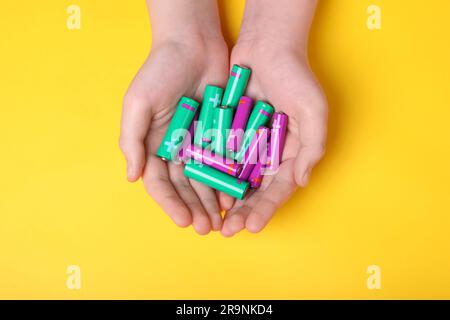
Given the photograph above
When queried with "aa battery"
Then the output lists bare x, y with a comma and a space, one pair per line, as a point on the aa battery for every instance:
211, 99
255, 178
237, 82
194, 124
260, 116
213, 160
182, 156
277, 140
239, 122
256, 151
216, 179
223, 117
178, 126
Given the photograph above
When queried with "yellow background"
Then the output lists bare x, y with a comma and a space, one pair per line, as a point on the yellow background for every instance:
381, 195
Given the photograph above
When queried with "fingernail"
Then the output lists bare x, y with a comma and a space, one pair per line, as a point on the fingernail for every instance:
129, 170
305, 179
253, 226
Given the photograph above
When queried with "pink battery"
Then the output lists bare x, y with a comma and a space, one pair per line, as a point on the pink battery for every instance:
213, 160
239, 122
188, 139
256, 176
277, 140
256, 151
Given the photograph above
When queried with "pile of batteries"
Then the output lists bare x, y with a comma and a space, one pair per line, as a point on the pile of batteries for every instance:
226, 144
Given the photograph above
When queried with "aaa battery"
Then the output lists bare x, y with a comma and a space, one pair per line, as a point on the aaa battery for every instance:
216, 179
259, 116
237, 82
212, 98
178, 126
239, 122
213, 160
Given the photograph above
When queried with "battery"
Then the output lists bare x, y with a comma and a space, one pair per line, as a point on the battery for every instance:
216, 179
256, 151
212, 98
221, 163
255, 178
182, 156
194, 123
223, 117
260, 116
239, 122
178, 127
277, 140
237, 82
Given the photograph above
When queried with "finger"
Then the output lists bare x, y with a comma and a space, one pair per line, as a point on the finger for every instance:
226, 201
312, 133
269, 200
159, 187
200, 217
136, 118
208, 198
307, 158
234, 220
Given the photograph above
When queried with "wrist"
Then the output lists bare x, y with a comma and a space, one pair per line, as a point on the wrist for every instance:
194, 44
184, 21
188, 34
282, 23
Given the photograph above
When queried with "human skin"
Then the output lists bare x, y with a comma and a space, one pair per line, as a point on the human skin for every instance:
273, 43
188, 52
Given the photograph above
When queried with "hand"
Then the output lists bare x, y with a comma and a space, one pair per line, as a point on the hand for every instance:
175, 67
281, 76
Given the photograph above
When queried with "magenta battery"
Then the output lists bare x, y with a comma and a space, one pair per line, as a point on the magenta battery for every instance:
255, 178
260, 116
213, 160
256, 151
239, 122
277, 140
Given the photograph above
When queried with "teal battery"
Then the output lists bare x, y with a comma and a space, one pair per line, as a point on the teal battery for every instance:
237, 83
178, 127
223, 117
216, 179
212, 98
260, 116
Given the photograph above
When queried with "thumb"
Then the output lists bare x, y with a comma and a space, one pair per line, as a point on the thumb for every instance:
312, 135
136, 119
306, 159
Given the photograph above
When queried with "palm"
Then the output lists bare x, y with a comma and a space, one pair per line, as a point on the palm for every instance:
287, 83
170, 72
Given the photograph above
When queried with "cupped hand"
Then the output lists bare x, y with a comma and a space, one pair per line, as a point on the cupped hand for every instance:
281, 76
173, 69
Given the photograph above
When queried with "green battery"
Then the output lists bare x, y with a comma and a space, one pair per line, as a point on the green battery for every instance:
178, 127
237, 82
212, 98
260, 116
216, 179
223, 117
